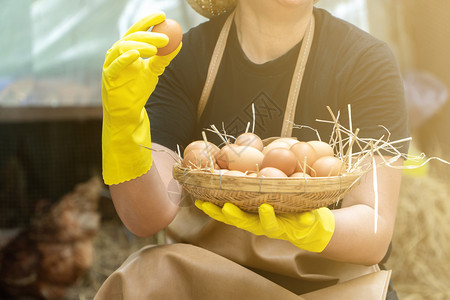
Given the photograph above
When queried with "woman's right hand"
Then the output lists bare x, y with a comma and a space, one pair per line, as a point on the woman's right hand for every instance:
130, 75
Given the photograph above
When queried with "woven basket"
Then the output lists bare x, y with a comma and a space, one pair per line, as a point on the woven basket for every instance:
286, 195
212, 8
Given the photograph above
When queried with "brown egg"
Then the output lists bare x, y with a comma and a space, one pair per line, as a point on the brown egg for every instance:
252, 174
249, 139
198, 158
271, 172
234, 173
288, 140
322, 148
300, 175
244, 158
305, 154
275, 144
327, 166
222, 155
193, 145
282, 159
200, 144
173, 30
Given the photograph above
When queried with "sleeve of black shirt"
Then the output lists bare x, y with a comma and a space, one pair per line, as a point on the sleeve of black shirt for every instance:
375, 92
171, 109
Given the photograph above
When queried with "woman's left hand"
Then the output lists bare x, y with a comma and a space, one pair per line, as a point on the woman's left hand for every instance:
310, 230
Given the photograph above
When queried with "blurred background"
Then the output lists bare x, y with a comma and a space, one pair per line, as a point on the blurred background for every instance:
52, 53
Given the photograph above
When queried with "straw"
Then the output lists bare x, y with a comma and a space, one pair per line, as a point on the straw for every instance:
254, 117
211, 163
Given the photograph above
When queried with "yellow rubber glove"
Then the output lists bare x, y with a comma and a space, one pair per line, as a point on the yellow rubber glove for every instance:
311, 231
130, 75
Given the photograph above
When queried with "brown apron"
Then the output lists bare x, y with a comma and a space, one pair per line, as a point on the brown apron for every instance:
206, 259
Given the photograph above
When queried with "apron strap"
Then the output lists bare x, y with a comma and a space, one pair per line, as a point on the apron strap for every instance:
289, 113
214, 65
294, 90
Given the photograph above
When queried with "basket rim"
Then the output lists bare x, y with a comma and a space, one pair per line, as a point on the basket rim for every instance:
206, 179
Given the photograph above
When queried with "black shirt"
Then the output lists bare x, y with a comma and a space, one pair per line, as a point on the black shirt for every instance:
346, 66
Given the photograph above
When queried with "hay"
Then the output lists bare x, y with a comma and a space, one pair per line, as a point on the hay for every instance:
113, 245
420, 257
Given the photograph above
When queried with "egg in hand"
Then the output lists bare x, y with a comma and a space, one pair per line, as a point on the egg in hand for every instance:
173, 30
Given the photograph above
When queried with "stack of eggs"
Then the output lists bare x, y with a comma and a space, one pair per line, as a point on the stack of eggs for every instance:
283, 157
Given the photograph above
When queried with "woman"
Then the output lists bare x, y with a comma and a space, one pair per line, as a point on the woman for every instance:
266, 39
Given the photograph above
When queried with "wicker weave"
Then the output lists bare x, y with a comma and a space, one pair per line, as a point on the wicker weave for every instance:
214, 8
286, 195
